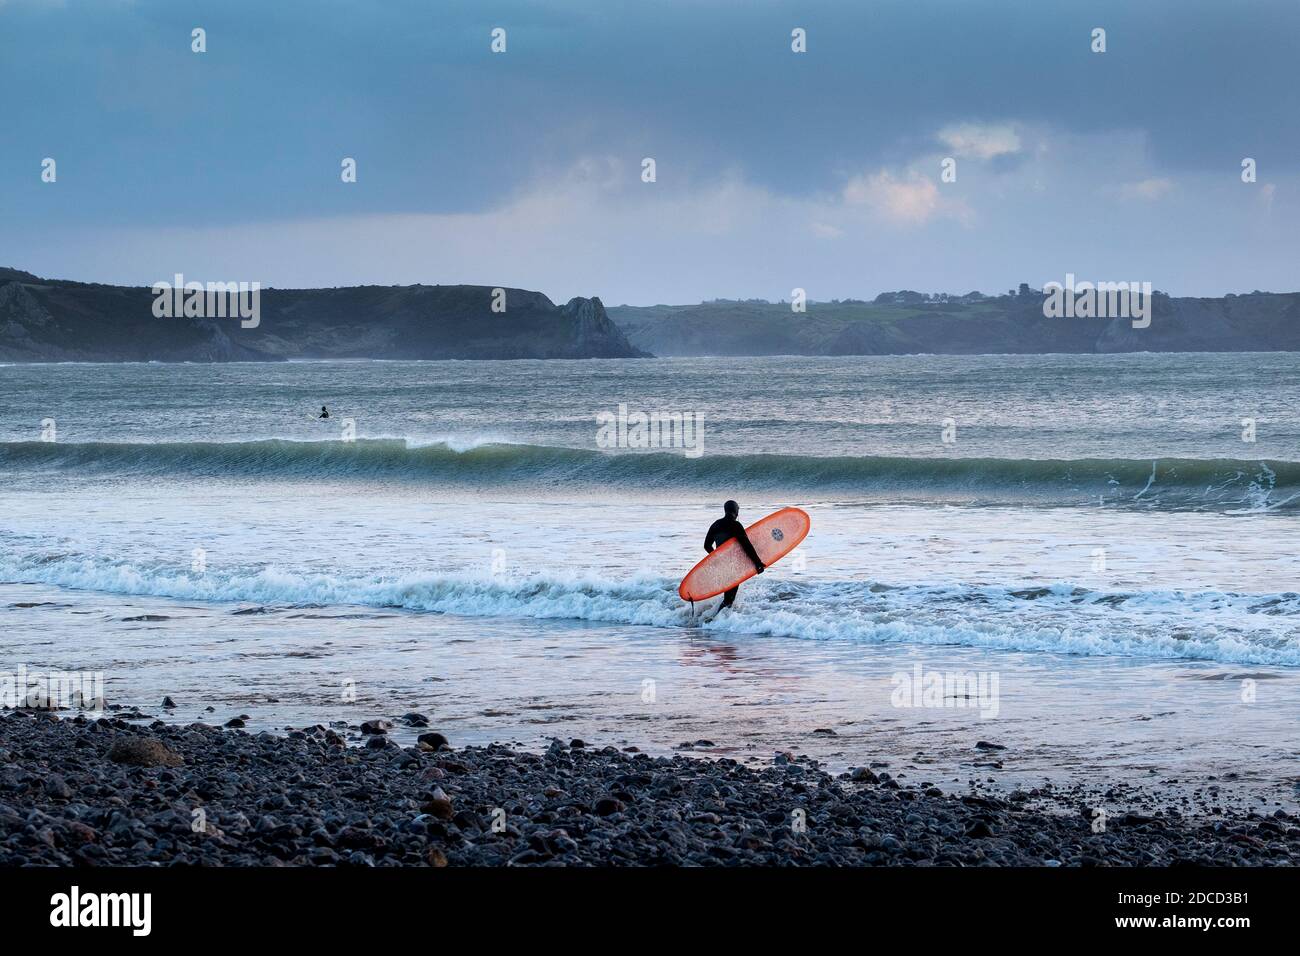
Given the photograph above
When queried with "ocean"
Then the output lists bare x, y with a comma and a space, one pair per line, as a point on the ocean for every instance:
1090, 560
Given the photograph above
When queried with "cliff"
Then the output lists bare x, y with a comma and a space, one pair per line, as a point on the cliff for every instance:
44, 320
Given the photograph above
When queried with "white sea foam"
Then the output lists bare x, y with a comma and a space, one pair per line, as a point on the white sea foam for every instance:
1062, 618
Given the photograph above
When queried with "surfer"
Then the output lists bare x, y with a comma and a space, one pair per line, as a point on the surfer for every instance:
324, 412
723, 530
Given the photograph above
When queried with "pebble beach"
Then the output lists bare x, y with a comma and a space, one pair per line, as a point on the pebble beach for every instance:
109, 792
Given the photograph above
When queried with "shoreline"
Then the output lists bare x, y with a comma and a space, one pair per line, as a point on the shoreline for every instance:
1178, 729
94, 792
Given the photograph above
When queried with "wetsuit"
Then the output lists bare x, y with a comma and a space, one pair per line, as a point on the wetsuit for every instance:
722, 530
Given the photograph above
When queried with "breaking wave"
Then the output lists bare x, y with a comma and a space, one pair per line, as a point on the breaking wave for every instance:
1169, 483
1062, 618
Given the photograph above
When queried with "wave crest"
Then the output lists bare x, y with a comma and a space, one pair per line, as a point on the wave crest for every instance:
1170, 483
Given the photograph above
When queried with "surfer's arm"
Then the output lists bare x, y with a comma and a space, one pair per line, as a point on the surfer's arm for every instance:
749, 549
710, 537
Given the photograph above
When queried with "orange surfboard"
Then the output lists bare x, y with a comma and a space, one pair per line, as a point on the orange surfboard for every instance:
727, 565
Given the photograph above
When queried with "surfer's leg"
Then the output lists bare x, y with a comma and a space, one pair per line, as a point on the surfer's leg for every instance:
729, 598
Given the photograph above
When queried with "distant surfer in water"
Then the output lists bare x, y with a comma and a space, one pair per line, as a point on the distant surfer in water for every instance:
723, 530
324, 412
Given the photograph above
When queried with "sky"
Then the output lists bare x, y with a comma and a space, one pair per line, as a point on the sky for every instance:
774, 169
